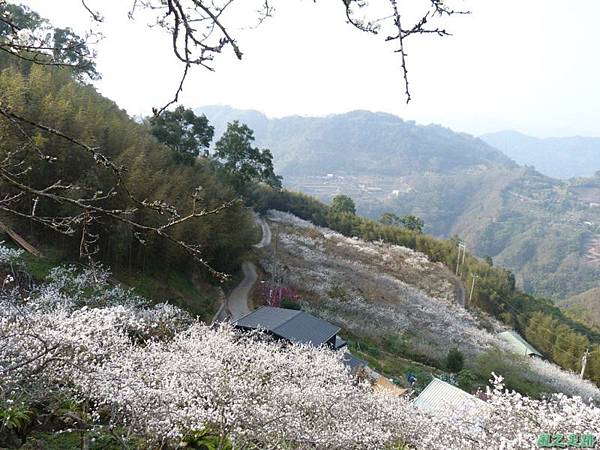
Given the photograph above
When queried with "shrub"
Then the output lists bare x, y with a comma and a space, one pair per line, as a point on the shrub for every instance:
455, 360
466, 380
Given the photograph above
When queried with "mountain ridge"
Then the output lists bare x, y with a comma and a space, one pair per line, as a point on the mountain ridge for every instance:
539, 227
558, 157
388, 134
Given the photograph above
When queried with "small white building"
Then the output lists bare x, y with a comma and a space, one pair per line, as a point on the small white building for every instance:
442, 399
518, 344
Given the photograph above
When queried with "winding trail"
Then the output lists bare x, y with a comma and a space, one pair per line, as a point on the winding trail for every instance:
237, 302
459, 289
266, 233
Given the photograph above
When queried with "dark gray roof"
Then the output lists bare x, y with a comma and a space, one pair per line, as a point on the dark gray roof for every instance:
290, 324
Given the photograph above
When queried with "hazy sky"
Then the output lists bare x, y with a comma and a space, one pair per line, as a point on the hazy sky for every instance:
528, 65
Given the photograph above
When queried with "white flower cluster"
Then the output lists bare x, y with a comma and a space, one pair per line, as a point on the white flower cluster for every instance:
9, 255
155, 372
376, 298
88, 286
397, 292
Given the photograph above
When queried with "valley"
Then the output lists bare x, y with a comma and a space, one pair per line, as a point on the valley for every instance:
211, 278
539, 227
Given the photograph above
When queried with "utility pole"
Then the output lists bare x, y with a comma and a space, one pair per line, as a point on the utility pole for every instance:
584, 362
472, 288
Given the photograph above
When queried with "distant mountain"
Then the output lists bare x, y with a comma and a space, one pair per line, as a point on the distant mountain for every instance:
562, 158
545, 230
379, 143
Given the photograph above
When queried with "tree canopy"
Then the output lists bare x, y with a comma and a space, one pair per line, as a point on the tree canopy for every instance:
23, 33
343, 204
413, 223
187, 134
243, 162
388, 218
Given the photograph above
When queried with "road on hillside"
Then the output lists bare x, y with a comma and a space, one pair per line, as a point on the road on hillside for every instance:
266, 233
237, 302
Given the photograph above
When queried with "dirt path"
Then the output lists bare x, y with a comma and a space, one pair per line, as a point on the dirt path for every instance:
266, 233
459, 292
237, 302
459, 289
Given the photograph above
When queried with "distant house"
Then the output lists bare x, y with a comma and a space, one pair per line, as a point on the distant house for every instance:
297, 326
354, 364
518, 344
441, 398
293, 326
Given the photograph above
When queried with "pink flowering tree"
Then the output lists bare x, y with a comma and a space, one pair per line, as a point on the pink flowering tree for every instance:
273, 294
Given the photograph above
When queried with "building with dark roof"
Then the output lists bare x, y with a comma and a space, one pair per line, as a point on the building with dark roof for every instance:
353, 363
293, 326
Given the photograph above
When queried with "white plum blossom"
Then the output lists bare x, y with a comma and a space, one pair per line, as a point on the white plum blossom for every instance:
9, 255
390, 290
155, 372
387, 288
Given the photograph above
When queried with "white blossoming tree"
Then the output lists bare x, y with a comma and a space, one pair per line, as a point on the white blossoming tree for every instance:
152, 372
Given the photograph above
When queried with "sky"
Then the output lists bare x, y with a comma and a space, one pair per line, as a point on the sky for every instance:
526, 65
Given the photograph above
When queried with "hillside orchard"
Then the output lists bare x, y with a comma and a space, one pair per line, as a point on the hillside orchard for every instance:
398, 299
154, 373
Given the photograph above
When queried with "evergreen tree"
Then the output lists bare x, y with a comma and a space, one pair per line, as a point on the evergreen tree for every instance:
413, 223
455, 360
187, 134
243, 163
388, 218
343, 204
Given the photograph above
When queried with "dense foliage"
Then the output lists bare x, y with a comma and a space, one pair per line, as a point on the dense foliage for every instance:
241, 162
42, 43
52, 97
186, 134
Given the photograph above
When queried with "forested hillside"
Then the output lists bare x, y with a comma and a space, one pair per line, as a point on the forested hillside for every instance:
542, 229
152, 173
584, 307
371, 143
